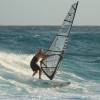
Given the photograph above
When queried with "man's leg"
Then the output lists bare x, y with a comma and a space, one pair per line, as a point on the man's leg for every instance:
40, 73
35, 72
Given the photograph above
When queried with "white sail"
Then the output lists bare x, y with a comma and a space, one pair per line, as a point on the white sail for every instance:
50, 65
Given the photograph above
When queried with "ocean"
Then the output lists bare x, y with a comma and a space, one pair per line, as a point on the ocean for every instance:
80, 65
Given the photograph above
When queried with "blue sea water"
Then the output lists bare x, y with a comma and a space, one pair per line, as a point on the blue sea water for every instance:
80, 65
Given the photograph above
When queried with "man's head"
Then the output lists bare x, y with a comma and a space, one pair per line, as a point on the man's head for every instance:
41, 54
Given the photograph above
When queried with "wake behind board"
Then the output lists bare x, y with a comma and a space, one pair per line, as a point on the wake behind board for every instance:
50, 83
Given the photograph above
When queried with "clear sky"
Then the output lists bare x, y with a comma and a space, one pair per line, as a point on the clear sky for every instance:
47, 12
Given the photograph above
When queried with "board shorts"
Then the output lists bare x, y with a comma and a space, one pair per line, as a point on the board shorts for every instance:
34, 67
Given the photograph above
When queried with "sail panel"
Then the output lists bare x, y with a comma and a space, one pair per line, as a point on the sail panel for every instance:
58, 43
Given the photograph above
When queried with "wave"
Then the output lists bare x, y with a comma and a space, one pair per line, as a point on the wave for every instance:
18, 83
19, 65
15, 62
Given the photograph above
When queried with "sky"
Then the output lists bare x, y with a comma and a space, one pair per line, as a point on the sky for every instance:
47, 12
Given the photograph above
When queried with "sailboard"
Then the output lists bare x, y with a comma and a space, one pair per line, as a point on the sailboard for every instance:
56, 50
50, 83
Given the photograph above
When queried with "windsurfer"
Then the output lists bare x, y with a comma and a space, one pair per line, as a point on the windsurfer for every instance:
37, 61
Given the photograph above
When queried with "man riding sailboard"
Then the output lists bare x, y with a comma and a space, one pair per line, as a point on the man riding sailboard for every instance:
37, 62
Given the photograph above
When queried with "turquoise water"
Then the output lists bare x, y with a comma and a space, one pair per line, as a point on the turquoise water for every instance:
80, 66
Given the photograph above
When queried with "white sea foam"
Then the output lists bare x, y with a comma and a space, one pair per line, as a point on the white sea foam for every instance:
48, 93
16, 63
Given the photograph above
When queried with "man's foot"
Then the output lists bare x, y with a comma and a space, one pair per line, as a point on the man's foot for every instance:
39, 77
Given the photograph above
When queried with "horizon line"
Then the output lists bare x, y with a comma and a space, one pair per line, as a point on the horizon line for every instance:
48, 25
